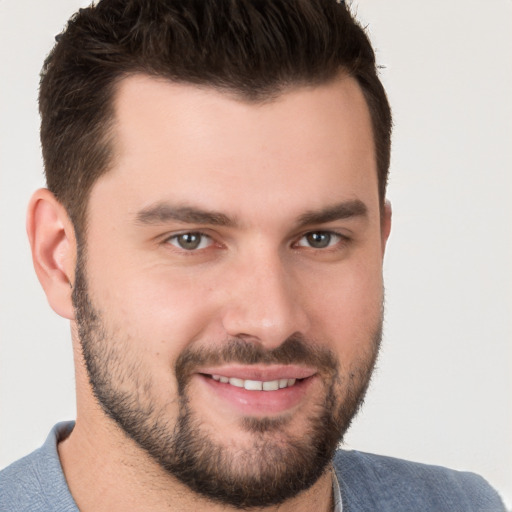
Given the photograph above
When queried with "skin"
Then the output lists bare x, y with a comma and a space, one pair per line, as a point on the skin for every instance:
264, 167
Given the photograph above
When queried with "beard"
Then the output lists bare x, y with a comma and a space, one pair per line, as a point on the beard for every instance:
277, 465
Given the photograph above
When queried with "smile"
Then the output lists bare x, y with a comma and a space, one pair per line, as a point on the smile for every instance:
255, 385
257, 390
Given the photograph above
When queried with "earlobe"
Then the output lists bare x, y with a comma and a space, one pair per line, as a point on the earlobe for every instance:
53, 244
385, 224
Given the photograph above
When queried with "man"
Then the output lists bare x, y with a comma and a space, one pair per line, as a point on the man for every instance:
214, 228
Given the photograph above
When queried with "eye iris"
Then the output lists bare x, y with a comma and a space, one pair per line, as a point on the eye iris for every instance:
189, 241
319, 240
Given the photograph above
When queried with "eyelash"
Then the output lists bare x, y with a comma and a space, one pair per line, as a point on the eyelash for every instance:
204, 238
330, 234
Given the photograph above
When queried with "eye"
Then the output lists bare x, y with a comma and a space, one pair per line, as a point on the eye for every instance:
319, 239
190, 241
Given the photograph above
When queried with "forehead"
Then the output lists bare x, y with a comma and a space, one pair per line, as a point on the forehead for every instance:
200, 144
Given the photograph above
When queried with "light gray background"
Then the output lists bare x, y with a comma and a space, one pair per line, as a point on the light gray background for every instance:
442, 392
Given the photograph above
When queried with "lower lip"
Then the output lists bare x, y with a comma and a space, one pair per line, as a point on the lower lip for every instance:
259, 403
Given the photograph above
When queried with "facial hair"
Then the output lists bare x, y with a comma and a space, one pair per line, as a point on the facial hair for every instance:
276, 466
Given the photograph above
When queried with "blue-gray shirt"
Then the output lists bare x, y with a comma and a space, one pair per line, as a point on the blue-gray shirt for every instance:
367, 483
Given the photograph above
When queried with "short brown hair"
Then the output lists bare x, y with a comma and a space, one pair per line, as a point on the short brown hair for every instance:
254, 48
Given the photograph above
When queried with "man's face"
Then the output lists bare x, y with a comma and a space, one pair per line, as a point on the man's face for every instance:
229, 298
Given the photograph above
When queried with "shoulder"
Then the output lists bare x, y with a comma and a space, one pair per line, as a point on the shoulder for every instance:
36, 482
20, 484
376, 482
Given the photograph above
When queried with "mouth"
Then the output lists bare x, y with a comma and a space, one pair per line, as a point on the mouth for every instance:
258, 390
256, 385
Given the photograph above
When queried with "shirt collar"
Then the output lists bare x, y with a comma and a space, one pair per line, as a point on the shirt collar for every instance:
338, 504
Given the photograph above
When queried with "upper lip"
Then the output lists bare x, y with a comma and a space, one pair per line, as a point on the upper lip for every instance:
260, 372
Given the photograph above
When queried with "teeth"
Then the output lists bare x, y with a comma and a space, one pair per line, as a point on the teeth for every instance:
253, 385
256, 385
271, 385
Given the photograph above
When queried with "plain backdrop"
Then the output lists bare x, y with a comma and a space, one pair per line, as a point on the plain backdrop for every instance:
442, 391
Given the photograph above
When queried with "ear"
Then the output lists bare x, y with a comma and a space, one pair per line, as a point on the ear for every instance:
385, 228
52, 240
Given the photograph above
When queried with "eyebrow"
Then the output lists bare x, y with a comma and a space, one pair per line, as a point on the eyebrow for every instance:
161, 213
338, 211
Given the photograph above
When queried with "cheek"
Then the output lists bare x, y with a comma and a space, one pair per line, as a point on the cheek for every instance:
347, 312
161, 311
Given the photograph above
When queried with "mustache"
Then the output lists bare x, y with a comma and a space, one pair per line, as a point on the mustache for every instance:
294, 350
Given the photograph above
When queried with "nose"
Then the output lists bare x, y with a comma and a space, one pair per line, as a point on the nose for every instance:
264, 302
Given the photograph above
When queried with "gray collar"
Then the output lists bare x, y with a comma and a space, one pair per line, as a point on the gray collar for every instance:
338, 505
